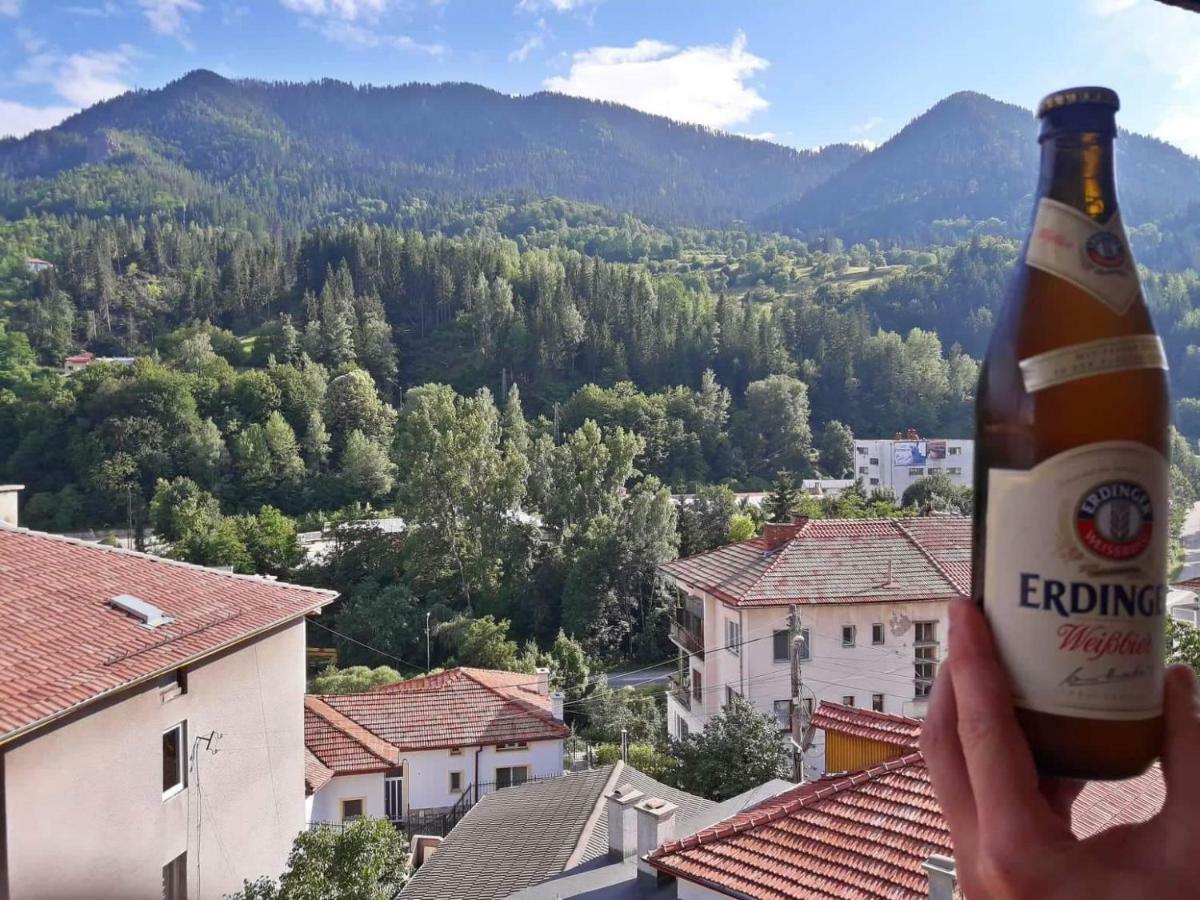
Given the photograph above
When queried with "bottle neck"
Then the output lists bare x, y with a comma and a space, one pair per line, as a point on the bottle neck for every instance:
1077, 169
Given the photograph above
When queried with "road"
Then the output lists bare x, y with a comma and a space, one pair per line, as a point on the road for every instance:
656, 676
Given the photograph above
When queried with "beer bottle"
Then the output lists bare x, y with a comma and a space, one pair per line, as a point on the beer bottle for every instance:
1071, 462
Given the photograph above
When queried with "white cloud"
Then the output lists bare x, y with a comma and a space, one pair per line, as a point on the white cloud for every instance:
355, 36
1181, 127
1159, 38
348, 10
10, 8
18, 119
167, 16
81, 78
703, 84
759, 136
1111, 7
531, 41
106, 10
561, 6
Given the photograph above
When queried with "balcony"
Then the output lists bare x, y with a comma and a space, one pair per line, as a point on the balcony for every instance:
681, 691
687, 632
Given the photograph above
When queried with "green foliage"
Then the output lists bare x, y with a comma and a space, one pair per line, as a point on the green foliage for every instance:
704, 520
783, 501
609, 711
642, 756
739, 748
483, 643
937, 493
1182, 643
352, 679
741, 528
836, 450
366, 860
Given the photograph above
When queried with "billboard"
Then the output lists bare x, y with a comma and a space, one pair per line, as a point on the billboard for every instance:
937, 449
911, 453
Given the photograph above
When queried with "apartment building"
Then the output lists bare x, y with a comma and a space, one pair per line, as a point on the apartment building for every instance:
898, 462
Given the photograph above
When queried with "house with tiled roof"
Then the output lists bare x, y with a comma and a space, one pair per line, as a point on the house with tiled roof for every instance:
874, 833
872, 599
151, 735
418, 748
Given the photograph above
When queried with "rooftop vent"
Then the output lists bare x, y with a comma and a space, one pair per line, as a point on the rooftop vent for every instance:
147, 614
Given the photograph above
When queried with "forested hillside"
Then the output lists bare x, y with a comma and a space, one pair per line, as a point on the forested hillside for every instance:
970, 164
289, 155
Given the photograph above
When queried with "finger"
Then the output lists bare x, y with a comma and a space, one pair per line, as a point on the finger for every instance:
947, 768
1060, 794
1181, 738
999, 762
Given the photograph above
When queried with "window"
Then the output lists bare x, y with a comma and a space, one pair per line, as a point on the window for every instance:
954, 451
175, 878
861, 451
730, 693
925, 657
916, 470
353, 808
874, 460
862, 470
456, 751
877, 702
783, 714
877, 633
516, 745
805, 645
733, 636
174, 760
508, 776
681, 728
782, 641
954, 470
806, 708
456, 782
697, 686
874, 481
848, 635
848, 700
172, 684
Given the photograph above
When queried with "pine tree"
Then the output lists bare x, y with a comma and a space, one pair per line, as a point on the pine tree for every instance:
781, 503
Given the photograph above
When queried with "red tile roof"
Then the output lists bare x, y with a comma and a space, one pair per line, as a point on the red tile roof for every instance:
316, 773
1189, 584
456, 708
866, 723
838, 561
342, 744
66, 646
864, 835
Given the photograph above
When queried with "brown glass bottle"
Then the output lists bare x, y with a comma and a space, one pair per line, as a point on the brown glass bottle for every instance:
1070, 467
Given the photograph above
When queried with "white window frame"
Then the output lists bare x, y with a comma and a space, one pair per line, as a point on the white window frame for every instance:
181, 760
848, 700
853, 632
342, 808
733, 636
877, 702
925, 658
785, 724
174, 875
511, 769
512, 747
450, 781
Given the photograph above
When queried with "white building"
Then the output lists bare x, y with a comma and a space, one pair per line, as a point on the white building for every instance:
151, 736
81, 361
416, 747
899, 462
36, 266
872, 599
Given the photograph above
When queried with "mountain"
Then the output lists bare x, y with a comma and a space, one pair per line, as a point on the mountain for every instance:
969, 160
300, 153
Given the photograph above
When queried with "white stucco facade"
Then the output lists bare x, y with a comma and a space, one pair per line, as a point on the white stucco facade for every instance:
896, 464
876, 668
427, 782
84, 801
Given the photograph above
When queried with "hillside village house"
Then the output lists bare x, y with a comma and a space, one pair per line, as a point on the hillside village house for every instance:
151, 736
415, 748
907, 457
872, 600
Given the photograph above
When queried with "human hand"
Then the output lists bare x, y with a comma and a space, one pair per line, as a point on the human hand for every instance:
1012, 834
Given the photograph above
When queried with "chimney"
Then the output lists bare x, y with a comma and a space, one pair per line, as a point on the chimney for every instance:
655, 826
556, 704
775, 534
8, 503
942, 877
622, 824
543, 681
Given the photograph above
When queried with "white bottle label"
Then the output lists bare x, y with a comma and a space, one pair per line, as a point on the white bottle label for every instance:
1075, 580
1095, 257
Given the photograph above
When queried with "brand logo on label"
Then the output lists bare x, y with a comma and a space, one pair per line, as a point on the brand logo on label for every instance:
1106, 250
1115, 520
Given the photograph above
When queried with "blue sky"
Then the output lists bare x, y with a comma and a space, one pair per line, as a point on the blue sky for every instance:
801, 72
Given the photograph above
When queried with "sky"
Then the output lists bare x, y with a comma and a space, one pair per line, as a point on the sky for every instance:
799, 72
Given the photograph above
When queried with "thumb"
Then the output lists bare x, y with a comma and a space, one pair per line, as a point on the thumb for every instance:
1181, 738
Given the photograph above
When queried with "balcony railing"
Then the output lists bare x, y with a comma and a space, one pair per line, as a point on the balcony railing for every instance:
687, 631
681, 691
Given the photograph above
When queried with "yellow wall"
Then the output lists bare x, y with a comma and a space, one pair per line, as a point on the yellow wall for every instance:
846, 753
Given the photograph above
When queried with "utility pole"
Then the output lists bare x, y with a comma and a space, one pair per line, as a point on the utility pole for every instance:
503, 384
427, 666
556, 422
796, 648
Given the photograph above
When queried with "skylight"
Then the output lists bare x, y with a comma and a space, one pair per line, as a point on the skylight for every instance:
147, 614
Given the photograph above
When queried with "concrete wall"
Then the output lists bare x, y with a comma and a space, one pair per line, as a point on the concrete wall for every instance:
84, 801
874, 463
327, 802
689, 890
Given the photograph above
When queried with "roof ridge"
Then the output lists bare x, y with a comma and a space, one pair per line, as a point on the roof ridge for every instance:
941, 570
786, 808
165, 560
336, 719
589, 825
870, 713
